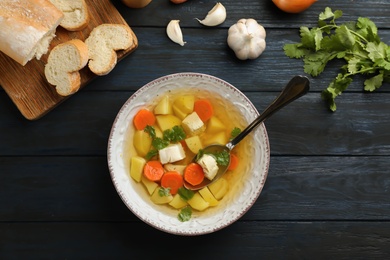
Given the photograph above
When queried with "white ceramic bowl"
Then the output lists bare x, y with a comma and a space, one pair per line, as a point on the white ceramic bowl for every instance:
241, 195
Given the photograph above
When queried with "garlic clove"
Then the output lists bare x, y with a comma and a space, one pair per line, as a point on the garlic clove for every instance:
174, 32
215, 16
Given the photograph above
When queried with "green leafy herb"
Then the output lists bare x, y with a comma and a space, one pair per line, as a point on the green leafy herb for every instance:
185, 214
185, 194
236, 131
159, 143
164, 192
199, 154
151, 154
173, 135
358, 43
222, 158
151, 131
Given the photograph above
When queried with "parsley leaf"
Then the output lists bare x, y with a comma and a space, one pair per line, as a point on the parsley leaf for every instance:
236, 131
222, 158
173, 135
164, 192
176, 134
357, 43
151, 154
185, 194
185, 214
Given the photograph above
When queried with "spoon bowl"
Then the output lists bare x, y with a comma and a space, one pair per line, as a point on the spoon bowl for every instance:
295, 88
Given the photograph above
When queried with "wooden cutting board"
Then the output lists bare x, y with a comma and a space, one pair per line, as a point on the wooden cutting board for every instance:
27, 85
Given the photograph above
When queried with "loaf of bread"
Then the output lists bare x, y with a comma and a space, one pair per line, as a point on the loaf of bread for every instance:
63, 65
27, 27
103, 42
75, 12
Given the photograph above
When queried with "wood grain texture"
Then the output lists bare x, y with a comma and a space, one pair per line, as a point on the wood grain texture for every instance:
242, 240
27, 85
327, 191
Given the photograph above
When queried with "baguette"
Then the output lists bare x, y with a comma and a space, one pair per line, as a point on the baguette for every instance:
76, 15
102, 43
27, 27
63, 65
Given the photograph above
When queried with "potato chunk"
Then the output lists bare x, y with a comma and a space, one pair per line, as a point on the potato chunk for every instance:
185, 104
214, 125
158, 199
149, 185
219, 188
198, 203
194, 144
137, 164
177, 202
219, 138
166, 122
175, 167
142, 142
163, 107
208, 196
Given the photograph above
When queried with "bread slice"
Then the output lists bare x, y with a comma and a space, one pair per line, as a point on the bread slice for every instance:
103, 42
63, 65
27, 27
76, 14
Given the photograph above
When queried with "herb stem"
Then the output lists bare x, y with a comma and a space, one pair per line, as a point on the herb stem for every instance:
358, 35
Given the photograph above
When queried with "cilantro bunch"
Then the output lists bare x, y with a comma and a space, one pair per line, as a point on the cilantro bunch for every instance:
358, 43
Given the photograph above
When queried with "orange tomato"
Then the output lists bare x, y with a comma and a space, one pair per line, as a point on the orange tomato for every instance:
293, 6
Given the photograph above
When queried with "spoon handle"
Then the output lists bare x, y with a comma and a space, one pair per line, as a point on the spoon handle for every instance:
296, 87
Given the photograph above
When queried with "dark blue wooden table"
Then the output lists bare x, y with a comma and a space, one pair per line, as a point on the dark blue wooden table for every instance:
328, 189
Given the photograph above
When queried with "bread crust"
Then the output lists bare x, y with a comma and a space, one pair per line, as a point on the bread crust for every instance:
27, 28
76, 14
103, 42
63, 66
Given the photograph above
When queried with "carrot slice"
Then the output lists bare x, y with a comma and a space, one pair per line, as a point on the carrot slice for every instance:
173, 180
193, 174
204, 109
143, 118
153, 170
233, 162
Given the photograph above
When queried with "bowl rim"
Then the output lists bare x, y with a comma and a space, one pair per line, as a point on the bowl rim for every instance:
110, 153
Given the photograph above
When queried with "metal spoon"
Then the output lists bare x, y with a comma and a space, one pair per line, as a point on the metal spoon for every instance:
296, 87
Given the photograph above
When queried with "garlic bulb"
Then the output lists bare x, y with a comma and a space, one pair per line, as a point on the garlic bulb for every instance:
215, 16
174, 32
247, 39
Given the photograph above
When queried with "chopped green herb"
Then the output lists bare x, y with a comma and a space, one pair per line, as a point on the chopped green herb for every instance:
151, 131
358, 43
222, 158
185, 214
236, 131
185, 194
164, 192
151, 154
199, 154
159, 143
175, 134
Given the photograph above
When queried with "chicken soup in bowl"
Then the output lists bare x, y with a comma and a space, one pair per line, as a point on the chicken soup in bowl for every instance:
156, 135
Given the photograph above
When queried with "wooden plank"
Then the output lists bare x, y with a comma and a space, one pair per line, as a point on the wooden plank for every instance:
306, 188
27, 85
243, 240
306, 127
160, 12
157, 56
